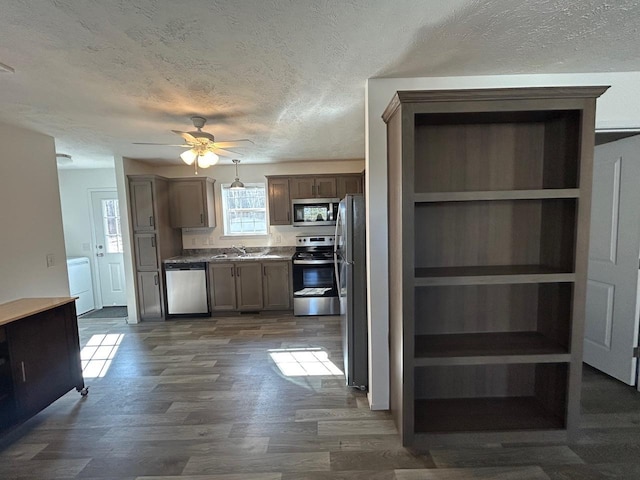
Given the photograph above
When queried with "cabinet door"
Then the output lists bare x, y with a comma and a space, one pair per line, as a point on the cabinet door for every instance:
325, 187
249, 285
349, 184
276, 285
146, 251
188, 204
40, 360
301, 187
222, 285
279, 202
149, 299
143, 218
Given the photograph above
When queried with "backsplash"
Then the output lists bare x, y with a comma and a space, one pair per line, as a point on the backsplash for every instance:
279, 236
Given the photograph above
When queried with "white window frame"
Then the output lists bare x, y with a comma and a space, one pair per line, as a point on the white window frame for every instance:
225, 217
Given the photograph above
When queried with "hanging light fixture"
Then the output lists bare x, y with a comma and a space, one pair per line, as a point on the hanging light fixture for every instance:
237, 184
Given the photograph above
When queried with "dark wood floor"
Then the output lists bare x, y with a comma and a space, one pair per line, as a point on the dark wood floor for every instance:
202, 399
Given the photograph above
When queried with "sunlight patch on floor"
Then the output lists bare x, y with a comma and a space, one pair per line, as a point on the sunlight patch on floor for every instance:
98, 353
304, 362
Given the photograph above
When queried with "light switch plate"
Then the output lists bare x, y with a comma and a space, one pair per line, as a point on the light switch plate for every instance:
51, 260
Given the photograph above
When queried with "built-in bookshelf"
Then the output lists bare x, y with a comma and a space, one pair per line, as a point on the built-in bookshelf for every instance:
489, 198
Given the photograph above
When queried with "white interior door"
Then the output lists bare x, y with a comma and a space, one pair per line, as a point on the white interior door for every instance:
611, 329
108, 248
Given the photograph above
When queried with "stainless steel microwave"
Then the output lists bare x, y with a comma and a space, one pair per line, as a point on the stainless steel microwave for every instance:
314, 212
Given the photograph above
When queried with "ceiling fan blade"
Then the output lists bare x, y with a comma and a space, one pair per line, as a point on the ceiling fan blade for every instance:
232, 143
225, 153
161, 144
187, 136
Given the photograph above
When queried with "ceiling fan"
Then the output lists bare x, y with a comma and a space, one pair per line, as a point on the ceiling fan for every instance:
203, 151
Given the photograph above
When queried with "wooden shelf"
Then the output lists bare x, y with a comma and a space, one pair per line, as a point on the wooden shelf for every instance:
487, 348
541, 194
491, 274
483, 415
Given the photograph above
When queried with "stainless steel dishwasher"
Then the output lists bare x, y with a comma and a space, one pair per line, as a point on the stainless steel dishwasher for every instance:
187, 288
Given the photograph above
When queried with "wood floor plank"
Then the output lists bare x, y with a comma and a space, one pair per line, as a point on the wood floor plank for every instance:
45, 469
316, 414
356, 427
490, 473
495, 457
271, 462
133, 464
232, 476
376, 460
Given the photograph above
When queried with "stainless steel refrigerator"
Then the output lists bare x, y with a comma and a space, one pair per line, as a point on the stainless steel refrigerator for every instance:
350, 269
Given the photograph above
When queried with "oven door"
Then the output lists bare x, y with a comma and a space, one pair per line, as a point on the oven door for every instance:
314, 288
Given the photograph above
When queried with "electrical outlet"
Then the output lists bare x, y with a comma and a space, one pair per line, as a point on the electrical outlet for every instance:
51, 260
193, 242
278, 238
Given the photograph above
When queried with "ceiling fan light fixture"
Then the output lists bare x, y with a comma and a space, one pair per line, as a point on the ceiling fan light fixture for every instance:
237, 184
208, 159
188, 156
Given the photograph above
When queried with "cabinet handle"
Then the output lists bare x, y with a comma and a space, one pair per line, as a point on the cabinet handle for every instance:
264, 270
155, 279
151, 221
232, 269
202, 218
238, 271
288, 216
24, 373
313, 190
153, 242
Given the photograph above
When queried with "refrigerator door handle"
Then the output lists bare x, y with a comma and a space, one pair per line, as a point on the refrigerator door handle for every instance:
335, 251
337, 270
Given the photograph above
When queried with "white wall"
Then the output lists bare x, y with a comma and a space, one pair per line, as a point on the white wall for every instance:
76, 186
75, 197
30, 217
618, 109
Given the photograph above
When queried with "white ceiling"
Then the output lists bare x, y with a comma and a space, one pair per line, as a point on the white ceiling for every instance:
289, 75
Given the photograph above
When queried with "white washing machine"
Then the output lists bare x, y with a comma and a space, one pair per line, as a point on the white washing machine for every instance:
80, 283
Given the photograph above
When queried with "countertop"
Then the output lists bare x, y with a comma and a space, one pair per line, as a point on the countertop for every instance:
26, 307
256, 254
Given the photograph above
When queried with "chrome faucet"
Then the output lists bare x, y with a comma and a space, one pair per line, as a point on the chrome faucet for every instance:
240, 248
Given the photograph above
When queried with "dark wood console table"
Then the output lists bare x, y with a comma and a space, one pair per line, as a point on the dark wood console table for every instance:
39, 356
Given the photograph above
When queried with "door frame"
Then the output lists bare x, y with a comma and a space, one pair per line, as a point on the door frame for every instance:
97, 284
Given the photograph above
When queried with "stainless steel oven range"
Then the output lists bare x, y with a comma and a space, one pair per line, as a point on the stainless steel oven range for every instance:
314, 284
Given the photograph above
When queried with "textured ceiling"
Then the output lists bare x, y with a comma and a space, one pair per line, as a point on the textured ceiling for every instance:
289, 75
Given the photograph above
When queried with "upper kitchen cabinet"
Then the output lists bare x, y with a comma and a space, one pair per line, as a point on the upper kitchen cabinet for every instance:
284, 188
349, 184
312, 187
192, 203
143, 216
279, 203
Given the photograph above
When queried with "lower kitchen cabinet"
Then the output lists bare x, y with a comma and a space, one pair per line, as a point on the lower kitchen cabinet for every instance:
276, 285
222, 283
250, 286
149, 296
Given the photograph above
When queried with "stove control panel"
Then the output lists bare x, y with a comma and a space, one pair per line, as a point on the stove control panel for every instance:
314, 240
